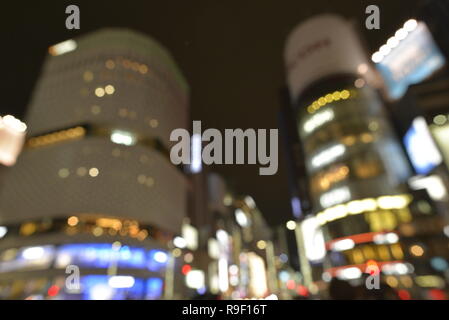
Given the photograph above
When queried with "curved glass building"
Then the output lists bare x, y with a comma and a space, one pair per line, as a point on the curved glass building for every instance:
355, 165
95, 187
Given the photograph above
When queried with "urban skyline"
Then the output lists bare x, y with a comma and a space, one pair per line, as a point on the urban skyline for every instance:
127, 170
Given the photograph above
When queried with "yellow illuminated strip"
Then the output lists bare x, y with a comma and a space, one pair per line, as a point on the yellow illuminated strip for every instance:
329, 98
362, 206
54, 137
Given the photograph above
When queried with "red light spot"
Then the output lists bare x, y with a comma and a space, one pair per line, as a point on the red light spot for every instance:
302, 291
437, 294
53, 291
372, 267
291, 284
186, 269
404, 295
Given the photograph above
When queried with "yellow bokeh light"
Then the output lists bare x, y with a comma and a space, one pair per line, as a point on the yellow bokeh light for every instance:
261, 244
94, 172
72, 221
417, 250
109, 89
99, 92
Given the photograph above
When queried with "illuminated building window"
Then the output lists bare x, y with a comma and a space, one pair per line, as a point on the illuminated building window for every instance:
123, 137
382, 220
328, 156
367, 138
323, 181
123, 112
360, 83
62, 48
28, 228
143, 69
154, 123
55, 137
357, 256
99, 92
318, 120
95, 109
149, 182
141, 179
132, 115
72, 221
369, 253
88, 76
392, 281
417, 250
63, 173
335, 197
384, 253
81, 171
109, 89
397, 251
94, 172
110, 64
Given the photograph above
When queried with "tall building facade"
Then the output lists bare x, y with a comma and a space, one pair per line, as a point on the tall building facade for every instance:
355, 166
96, 169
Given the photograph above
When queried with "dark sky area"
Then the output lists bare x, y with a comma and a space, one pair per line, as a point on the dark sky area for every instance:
229, 51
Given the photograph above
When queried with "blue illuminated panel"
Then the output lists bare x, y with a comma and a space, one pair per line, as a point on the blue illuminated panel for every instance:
103, 255
412, 61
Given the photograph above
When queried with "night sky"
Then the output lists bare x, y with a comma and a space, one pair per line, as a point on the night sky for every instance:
229, 51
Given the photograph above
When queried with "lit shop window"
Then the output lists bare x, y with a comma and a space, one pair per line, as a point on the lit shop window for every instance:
363, 254
387, 220
398, 203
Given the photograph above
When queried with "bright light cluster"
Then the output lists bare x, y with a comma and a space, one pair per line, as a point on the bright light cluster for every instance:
13, 124
394, 41
362, 206
328, 156
12, 137
318, 120
334, 176
329, 98
123, 137
335, 196
63, 47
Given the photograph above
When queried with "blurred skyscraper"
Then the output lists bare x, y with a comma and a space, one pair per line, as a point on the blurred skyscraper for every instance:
355, 166
96, 168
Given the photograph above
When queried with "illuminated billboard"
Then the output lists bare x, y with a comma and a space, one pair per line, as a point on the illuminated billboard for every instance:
315, 248
421, 148
408, 58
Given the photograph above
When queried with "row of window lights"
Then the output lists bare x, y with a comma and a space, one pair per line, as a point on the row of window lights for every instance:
101, 92
125, 113
144, 180
127, 64
94, 172
144, 159
329, 98
81, 171
110, 64
133, 231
